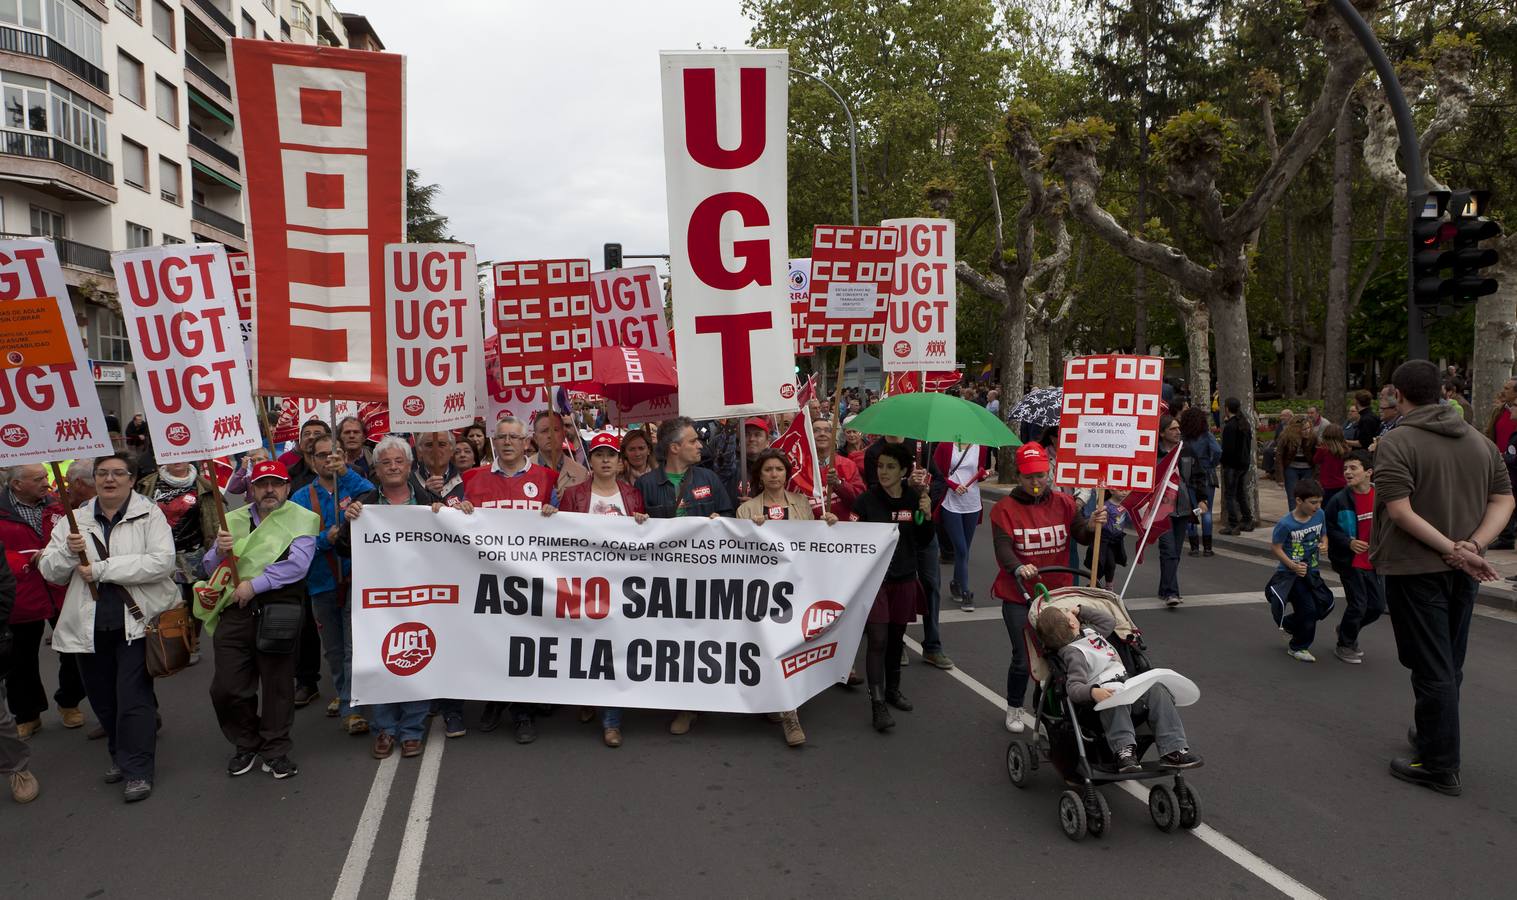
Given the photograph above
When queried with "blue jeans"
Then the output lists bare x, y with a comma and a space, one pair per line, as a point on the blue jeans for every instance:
1363, 602
1015, 617
931, 578
960, 528
1205, 517
1169, 557
1293, 474
401, 721
1301, 621
610, 717
336, 644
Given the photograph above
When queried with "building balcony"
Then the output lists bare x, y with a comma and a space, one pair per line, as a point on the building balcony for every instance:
75, 254
214, 13
208, 75
40, 46
219, 221
203, 142
59, 163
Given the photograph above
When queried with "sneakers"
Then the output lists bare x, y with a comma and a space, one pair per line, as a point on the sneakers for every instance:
1230, 530
384, 745
1180, 759
304, 694
791, 723
24, 787
72, 716
453, 725
966, 604
1017, 721
1127, 760
905, 658
1303, 655
281, 767
1412, 772
898, 700
137, 789
938, 658
408, 749
25, 730
241, 764
612, 737
954, 592
1351, 655
355, 724
526, 732
334, 707
682, 722
1172, 601
113, 775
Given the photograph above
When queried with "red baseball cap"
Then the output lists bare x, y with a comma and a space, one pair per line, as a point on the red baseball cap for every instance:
270, 468
1032, 459
604, 439
758, 422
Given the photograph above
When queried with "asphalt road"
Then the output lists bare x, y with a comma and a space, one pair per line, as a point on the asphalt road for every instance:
1295, 792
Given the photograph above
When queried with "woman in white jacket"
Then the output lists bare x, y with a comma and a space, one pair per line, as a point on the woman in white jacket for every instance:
126, 550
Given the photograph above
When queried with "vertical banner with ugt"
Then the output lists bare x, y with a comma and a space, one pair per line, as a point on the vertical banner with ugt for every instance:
326, 164
1108, 429
181, 318
435, 339
922, 331
48, 406
724, 158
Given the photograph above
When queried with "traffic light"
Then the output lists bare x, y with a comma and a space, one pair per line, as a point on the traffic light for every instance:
613, 256
1467, 211
1429, 258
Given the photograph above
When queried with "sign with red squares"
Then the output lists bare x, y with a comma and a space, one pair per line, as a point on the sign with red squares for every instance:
242, 289
852, 271
541, 313
326, 177
1109, 426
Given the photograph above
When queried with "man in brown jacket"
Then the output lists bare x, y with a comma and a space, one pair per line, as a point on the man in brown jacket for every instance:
1441, 496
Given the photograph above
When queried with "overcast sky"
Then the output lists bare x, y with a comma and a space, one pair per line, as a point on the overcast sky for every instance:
540, 120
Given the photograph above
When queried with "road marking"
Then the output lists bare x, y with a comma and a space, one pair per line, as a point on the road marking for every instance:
414, 843
357, 863
1213, 838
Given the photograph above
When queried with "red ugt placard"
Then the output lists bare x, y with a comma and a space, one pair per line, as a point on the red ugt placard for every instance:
1108, 429
852, 270
541, 313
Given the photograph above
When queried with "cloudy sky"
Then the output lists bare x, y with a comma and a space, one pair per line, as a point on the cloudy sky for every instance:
541, 120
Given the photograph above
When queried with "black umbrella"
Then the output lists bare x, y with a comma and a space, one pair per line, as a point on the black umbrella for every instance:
1040, 407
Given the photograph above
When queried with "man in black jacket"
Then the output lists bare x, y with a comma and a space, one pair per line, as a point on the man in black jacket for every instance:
679, 486
1237, 453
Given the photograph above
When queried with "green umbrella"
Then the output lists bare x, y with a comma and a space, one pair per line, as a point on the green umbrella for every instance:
935, 417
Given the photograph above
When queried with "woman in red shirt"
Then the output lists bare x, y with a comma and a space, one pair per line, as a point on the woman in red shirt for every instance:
1328, 459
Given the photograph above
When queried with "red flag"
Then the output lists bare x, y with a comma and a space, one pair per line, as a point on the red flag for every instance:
1148, 507
807, 391
799, 444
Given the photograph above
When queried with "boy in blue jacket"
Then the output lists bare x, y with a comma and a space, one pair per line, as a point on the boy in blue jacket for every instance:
1350, 516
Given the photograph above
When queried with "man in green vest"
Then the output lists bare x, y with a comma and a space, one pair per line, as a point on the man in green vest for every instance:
259, 560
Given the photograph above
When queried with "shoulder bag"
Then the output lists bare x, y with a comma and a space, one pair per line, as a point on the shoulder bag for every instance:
171, 635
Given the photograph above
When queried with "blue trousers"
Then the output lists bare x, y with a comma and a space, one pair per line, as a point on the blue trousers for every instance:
401, 721
960, 528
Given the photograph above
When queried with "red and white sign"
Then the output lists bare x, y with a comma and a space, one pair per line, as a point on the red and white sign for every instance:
655, 409
852, 270
799, 444
800, 304
242, 287
327, 172
921, 333
47, 412
627, 310
296, 411
408, 647
541, 313
435, 341
1108, 431
501, 401
912, 382
727, 228
181, 318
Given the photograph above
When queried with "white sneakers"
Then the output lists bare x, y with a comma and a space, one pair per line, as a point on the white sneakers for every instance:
1017, 721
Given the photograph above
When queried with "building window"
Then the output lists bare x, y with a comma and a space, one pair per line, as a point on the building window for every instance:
26, 13
131, 8
169, 179
133, 164
110, 329
163, 23
25, 105
170, 239
138, 236
29, 104
46, 223
249, 27
133, 84
268, 5
66, 22
168, 102
301, 14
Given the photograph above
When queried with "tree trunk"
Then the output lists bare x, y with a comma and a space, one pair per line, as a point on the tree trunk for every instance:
1335, 325
1495, 314
1235, 365
1037, 340
1287, 306
1314, 371
1197, 343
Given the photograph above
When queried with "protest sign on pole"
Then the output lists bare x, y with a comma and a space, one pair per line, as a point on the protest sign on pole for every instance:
296, 411
327, 164
720, 615
654, 409
852, 270
48, 406
241, 266
800, 304
627, 310
727, 204
181, 319
541, 313
435, 336
501, 401
922, 331
1108, 429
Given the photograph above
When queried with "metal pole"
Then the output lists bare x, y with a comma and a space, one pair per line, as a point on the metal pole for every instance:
853, 149
1411, 161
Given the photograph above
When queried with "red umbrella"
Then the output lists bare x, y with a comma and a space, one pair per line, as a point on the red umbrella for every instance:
632, 375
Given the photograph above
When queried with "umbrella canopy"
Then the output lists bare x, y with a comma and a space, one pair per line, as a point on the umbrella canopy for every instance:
935, 417
632, 375
1040, 407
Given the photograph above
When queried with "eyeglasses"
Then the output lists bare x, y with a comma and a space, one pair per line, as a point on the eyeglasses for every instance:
510, 437
112, 473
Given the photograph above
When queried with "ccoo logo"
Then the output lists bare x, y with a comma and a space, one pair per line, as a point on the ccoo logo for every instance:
408, 648
819, 617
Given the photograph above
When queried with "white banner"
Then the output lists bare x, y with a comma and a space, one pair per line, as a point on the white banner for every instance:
655, 410
48, 406
436, 338
701, 614
627, 310
181, 317
921, 332
724, 157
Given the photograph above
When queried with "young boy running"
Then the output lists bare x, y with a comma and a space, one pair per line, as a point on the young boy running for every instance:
1350, 515
1298, 541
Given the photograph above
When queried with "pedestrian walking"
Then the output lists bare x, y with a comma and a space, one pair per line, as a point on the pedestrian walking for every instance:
27, 519
1441, 496
1199, 458
1237, 457
1293, 454
1350, 525
126, 550
15, 752
1327, 462
1172, 533
963, 466
1298, 598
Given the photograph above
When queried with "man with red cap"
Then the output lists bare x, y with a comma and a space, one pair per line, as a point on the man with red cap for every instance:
1032, 526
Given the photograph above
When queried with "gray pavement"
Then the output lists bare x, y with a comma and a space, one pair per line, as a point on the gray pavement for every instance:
1295, 789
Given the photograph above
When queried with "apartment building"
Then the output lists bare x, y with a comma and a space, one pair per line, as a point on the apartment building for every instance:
120, 130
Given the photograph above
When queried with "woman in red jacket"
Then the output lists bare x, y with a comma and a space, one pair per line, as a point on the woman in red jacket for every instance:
1032, 526
27, 519
963, 466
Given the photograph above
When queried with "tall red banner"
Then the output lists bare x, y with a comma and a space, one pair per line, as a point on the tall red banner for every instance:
323, 142
852, 271
541, 313
1108, 428
241, 266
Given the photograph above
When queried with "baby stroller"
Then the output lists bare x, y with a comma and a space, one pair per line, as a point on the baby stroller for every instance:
1071, 736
